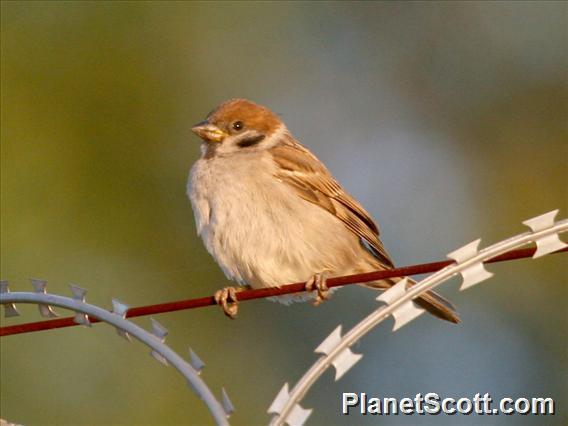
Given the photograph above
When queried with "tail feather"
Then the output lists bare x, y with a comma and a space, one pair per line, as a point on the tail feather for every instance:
438, 306
430, 301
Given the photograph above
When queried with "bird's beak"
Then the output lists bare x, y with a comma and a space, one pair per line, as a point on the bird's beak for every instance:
209, 132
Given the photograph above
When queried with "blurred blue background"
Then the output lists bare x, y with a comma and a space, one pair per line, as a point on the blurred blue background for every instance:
448, 121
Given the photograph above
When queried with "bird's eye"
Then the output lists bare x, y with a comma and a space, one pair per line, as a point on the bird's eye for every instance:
238, 125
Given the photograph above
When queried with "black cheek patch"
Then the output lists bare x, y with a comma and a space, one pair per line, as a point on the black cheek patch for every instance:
250, 141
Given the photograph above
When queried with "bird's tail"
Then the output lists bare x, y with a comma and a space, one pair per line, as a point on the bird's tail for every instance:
431, 301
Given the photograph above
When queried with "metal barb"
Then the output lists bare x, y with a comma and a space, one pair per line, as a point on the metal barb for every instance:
40, 286
281, 399
10, 309
344, 360
79, 295
330, 341
120, 309
550, 243
82, 319
158, 357
195, 361
407, 311
160, 332
475, 273
226, 402
298, 415
78, 292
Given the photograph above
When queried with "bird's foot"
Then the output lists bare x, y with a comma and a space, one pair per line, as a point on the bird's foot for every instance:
227, 299
318, 282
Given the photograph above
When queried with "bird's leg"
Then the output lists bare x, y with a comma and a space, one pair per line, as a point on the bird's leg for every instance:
318, 282
227, 299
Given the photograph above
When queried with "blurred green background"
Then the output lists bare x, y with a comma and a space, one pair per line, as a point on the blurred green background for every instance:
448, 121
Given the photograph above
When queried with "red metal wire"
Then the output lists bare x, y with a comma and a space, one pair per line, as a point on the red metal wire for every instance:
264, 292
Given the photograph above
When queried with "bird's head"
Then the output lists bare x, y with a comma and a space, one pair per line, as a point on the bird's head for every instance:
239, 125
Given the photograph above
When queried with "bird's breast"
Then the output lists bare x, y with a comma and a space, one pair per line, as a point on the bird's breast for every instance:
257, 228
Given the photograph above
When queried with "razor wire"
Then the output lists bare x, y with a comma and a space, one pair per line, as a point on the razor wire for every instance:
246, 295
155, 339
336, 350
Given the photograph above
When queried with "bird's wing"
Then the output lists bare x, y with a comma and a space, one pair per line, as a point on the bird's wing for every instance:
300, 169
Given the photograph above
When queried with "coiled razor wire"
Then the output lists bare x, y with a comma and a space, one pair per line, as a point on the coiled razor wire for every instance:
155, 339
336, 350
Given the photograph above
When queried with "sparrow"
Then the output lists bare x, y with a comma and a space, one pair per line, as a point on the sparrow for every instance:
270, 212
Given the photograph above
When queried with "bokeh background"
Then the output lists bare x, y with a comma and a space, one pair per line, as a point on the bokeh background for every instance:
448, 121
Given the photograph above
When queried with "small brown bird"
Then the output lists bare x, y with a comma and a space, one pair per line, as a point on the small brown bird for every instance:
271, 213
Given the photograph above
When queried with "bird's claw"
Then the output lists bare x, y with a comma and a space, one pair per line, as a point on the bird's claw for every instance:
227, 299
318, 282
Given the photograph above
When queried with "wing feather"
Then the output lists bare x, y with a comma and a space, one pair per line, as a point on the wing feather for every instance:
300, 169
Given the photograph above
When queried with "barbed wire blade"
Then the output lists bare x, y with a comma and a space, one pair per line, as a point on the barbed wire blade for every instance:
79, 295
195, 361
160, 332
82, 319
160, 358
47, 311
476, 273
120, 309
226, 402
405, 312
330, 341
280, 400
344, 360
550, 243
297, 416
40, 286
10, 309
